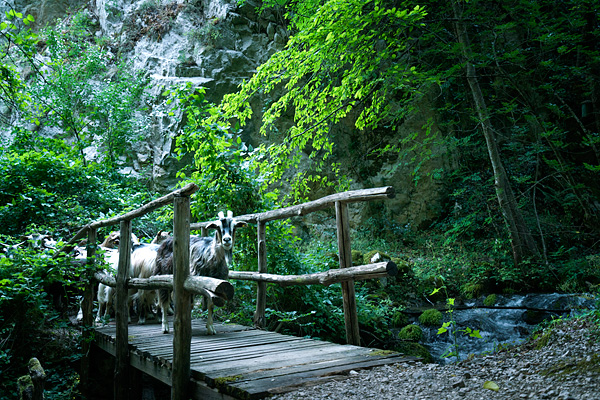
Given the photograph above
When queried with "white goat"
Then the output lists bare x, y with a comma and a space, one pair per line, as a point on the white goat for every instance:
209, 256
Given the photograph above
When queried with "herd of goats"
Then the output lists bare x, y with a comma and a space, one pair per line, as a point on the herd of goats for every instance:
209, 256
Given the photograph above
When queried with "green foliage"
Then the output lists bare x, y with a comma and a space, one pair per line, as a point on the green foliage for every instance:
357, 257
345, 56
30, 283
49, 191
399, 319
414, 349
431, 317
413, 333
81, 91
489, 300
452, 328
220, 165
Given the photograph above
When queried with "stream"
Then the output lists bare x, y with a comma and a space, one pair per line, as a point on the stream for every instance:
511, 323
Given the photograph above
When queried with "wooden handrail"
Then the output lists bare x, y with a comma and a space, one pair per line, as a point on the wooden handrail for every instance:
183, 285
352, 196
187, 190
358, 273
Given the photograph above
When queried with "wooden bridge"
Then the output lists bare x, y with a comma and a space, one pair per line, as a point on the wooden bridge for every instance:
241, 362
260, 362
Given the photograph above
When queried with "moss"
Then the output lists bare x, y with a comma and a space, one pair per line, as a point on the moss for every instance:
543, 340
404, 267
490, 300
382, 256
357, 257
382, 353
399, 319
579, 367
413, 333
431, 317
227, 379
415, 350
472, 290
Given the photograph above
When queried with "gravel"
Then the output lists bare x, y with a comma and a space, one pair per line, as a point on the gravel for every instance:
563, 364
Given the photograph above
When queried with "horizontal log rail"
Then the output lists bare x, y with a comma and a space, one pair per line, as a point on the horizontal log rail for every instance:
352, 196
361, 272
218, 290
187, 190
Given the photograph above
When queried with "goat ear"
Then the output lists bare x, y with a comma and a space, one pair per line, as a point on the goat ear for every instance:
240, 224
213, 225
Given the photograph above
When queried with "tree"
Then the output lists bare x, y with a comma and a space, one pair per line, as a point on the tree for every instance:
345, 58
78, 88
522, 242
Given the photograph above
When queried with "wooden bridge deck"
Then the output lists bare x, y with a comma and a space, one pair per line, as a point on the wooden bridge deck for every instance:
241, 362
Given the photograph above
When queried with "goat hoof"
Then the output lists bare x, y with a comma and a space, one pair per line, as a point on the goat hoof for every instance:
210, 331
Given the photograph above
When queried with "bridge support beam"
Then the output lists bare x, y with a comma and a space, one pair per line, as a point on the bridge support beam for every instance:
345, 256
182, 324
261, 292
121, 382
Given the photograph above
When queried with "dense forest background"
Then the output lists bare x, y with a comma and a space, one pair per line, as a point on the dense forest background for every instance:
489, 111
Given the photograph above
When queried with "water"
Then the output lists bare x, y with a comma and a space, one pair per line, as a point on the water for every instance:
511, 324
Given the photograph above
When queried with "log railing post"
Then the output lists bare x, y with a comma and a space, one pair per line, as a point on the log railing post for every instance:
182, 324
261, 292
87, 307
345, 256
121, 381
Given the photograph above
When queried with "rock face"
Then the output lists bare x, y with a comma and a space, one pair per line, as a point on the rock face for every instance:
218, 44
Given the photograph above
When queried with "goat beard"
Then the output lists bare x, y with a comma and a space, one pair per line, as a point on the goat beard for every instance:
228, 257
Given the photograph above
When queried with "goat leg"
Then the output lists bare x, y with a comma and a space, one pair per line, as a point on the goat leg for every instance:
210, 329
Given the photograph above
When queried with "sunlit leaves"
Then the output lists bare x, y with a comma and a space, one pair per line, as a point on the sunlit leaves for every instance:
338, 60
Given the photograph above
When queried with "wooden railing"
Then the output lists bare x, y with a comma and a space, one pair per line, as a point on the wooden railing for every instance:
183, 285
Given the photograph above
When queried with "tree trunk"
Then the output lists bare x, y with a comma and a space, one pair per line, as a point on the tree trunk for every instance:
522, 242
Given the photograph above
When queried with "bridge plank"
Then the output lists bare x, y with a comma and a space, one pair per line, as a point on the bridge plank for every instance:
244, 363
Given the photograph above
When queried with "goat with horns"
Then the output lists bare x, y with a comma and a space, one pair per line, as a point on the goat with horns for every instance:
209, 256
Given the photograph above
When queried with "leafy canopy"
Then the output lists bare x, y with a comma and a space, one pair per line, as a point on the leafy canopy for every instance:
345, 59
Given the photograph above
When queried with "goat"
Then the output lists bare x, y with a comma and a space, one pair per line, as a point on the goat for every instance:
209, 256
105, 293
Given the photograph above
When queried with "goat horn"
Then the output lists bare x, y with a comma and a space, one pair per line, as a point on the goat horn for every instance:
221, 215
229, 214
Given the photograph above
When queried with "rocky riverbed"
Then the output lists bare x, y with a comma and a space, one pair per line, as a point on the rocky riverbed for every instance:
562, 363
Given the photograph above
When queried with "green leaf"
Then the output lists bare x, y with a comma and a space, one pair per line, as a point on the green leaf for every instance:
491, 386
476, 334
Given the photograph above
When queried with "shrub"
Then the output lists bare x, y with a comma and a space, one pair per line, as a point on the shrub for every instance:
431, 317
399, 319
412, 333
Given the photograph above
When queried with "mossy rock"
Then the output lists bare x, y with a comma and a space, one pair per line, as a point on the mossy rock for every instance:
490, 300
472, 290
404, 267
431, 317
382, 256
414, 333
415, 350
399, 319
357, 257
